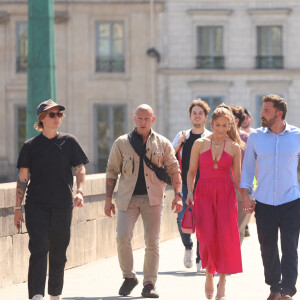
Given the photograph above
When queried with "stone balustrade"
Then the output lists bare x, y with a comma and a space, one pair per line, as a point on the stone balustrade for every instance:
93, 235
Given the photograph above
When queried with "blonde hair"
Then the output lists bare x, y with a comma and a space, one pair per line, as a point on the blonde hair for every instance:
223, 111
39, 126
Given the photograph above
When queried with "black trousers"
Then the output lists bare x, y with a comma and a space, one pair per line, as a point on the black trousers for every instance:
49, 231
282, 274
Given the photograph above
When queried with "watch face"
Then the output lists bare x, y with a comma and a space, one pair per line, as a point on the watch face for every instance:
180, 194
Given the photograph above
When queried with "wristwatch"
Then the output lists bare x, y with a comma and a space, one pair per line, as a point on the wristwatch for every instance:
179, 194
80, 190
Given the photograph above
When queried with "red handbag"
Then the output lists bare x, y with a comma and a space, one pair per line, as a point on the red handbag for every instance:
188, 220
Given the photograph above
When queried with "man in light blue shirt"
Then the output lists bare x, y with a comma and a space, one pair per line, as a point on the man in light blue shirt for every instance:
276, 149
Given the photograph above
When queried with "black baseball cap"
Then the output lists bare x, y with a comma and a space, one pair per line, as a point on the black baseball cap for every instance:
247, 112
47, 105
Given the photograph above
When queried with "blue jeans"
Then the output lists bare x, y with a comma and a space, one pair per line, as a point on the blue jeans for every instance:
186, 238
280, 273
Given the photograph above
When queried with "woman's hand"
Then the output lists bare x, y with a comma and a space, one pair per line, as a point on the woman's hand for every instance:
248, 204
18, 216
78, 200
189, 198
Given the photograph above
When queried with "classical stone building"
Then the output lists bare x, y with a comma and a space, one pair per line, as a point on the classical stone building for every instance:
113, 55
231, 51
105, 65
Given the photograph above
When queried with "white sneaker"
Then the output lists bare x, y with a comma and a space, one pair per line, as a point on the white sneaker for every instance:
38, 297
199, 267
188, 256
54, 297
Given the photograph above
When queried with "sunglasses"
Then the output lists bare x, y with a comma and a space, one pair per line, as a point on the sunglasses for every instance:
53, 114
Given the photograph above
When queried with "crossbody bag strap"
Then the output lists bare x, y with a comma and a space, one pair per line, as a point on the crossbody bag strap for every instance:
148, 162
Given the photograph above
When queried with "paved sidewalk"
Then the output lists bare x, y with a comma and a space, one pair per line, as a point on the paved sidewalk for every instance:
101, 280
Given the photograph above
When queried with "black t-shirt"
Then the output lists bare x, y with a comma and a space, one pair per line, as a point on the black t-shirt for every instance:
50, 163
186, 155
140, 187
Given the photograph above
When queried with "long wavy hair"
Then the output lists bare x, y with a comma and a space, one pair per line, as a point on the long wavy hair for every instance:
225, 111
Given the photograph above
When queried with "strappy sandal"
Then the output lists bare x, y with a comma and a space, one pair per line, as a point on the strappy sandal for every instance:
220, 298
208, 293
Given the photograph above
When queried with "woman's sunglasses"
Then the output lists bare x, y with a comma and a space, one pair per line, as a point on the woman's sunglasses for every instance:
53, 114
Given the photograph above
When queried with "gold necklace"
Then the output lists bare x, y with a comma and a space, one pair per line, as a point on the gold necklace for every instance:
217, 146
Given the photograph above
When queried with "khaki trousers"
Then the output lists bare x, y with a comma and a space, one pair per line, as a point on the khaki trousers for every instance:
243, 217
151, 216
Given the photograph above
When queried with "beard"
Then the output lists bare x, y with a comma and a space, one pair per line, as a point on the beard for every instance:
268, 123
197, 125
245, 125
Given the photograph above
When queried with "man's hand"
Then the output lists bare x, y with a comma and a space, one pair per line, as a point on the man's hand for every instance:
78, 200
109, 208
177, 204
182, 139
248, 204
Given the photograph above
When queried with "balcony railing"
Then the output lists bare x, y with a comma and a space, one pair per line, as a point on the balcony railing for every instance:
210, 62
21, 64
269, 62
110, 64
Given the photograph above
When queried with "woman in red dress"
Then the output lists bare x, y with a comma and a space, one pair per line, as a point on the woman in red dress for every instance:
215, 206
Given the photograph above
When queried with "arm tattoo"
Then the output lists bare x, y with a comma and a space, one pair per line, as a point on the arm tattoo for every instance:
110, 186
21, 188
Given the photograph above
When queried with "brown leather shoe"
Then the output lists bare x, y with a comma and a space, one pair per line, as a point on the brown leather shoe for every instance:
274, 296
286, 297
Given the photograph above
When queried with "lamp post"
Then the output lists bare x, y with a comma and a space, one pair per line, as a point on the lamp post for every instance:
41, 79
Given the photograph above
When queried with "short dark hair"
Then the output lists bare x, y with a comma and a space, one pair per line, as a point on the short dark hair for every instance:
278, 102
239, 113
201, 103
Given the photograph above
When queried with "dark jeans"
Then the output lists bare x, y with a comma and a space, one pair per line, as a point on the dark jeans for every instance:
280, 275
186, 238
49, 231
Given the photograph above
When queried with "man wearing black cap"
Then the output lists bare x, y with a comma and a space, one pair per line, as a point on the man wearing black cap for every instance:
47, 160
246, 125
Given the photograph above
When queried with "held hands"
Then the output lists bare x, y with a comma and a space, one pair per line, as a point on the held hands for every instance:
78, 200
189, 198
177, 204
109, 208
248, 204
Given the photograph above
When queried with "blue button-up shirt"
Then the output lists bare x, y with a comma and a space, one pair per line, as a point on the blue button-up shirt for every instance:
277, 157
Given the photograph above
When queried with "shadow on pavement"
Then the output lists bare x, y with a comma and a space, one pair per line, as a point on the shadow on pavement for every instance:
178, 273
101, 298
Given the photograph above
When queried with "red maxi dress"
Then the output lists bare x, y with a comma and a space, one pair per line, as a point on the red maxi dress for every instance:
216, 215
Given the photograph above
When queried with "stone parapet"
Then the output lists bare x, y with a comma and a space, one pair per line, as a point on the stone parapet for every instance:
93, 235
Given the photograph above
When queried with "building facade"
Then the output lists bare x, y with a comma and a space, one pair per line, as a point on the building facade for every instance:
114, 55
228, 51
103, 72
